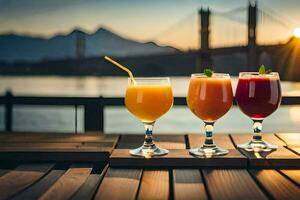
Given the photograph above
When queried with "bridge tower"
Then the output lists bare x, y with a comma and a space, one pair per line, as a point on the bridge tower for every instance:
204, 57
252, 50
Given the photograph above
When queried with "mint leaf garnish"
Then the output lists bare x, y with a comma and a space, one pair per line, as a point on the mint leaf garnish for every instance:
262, 70
269, 71
208, 72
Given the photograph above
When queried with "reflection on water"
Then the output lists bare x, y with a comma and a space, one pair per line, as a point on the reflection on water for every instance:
96, 86
119, 120
181, 120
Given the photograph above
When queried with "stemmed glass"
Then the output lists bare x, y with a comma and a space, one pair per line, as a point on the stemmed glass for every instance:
258, 96
148, 99
209, 98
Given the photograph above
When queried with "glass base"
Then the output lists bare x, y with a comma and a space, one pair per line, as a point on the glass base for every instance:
208, 151
257, 146
148, 152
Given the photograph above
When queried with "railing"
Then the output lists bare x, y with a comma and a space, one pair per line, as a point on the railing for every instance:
93, 106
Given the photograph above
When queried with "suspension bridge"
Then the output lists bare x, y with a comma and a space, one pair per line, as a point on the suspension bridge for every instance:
248, 30
229, 41
229, 28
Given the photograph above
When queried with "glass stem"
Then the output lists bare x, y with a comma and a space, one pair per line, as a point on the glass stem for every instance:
257, 127
148, 141
209, 127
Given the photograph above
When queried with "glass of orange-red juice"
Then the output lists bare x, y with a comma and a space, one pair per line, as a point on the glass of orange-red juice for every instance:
209, 98
148, 99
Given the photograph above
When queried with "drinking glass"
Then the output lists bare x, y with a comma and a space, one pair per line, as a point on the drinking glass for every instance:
148, 99
258, 96
209, 98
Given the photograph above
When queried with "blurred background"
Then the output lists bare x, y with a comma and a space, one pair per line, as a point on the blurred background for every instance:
55, 48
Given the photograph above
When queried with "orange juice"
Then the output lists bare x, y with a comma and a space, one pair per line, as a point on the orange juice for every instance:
149, 102
209, 98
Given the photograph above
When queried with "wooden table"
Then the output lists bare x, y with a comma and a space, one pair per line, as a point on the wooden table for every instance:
98, 166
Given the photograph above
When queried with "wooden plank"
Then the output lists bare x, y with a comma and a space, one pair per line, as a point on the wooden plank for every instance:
188, 184
20, 178
223, 141
230, 184
163, 141
293, 174
268, 137
291, 139
104, 146
170, 141
3, 171
282, 157
294, 149
57, 137
154, 185
88, 189
119, 184
56, 147
68, 184
40, 187
53, 149
73, 155
276, 184
176, 158
130, 141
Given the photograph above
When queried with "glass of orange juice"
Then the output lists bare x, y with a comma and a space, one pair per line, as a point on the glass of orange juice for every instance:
209, 98
148, 99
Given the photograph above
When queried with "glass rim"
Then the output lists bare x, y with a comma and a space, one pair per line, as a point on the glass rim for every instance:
257, 74
149, 81
150, 78
216, 75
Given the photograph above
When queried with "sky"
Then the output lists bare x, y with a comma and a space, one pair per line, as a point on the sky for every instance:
167, 22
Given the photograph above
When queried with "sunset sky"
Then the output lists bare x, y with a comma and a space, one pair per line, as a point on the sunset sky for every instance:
168, 22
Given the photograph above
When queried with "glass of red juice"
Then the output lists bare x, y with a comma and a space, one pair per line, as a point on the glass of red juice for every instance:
258, 96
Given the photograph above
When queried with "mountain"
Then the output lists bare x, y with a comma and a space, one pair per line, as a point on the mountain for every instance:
15, 47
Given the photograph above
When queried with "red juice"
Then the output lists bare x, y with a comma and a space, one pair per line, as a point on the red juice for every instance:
258, 96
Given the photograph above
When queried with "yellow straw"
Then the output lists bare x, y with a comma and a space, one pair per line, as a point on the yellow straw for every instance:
120, 66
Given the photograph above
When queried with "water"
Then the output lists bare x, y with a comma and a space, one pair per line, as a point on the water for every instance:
119, 120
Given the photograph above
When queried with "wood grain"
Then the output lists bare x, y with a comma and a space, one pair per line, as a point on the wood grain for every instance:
188, 184
291, 139
88, 189
293, 174
295, 149
20, 178
230, 184
68, 184
40, 187
268, 137
119, 184
3, 171
75, 155
176, 158
130, 141
282, 157
57, 137
163, 141
56, 147
170, 141
223, 141
277, 185
154, 185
